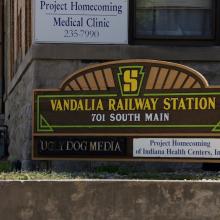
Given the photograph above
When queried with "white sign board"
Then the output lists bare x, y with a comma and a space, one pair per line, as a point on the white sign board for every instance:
81, 21
176, 148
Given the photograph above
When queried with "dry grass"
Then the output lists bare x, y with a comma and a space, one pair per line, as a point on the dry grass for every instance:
6, 173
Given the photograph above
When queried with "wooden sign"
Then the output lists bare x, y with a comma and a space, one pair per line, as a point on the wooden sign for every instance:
125, 99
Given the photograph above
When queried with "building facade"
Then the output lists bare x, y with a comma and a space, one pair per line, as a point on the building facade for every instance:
185, 32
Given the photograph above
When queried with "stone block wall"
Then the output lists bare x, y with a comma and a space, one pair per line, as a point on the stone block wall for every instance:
49, 74
110, 200
18, 117
18, 106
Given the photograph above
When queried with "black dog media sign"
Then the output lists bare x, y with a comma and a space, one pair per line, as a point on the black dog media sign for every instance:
129, 110
64, 147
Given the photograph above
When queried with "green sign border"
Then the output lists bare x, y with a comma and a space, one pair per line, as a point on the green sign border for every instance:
141, 73
44, 126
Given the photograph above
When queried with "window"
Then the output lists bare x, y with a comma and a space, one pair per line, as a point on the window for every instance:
174, 19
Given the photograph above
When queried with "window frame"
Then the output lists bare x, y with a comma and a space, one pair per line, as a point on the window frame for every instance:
176, 40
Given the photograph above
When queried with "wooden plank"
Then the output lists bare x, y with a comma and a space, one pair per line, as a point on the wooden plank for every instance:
100, 79
83, 84
152, 77
188, 84
109, 77
170, 79
161, 78
91, 80
179, 82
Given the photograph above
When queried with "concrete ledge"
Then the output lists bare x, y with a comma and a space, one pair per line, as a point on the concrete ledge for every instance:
99, 200
115, 52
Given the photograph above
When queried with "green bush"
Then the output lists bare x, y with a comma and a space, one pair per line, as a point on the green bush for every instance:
5, 166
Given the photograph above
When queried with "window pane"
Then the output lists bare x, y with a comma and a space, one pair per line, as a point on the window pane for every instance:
174, 18
174, 3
